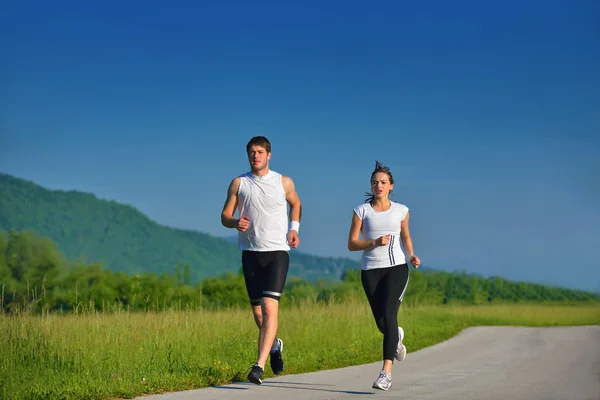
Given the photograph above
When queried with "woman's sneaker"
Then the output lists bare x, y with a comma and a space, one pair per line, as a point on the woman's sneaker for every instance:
401, 349
256, 374
384, 381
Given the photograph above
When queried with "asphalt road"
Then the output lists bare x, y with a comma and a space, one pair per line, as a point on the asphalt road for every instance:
505, 363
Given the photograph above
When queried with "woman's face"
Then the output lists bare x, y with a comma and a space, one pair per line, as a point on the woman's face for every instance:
381, 185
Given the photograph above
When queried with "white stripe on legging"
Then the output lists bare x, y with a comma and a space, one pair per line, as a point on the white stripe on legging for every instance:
404, 290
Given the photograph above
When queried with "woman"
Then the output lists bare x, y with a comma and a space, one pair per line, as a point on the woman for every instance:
384, 271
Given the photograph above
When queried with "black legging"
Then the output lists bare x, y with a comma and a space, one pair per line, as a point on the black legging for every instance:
385, 288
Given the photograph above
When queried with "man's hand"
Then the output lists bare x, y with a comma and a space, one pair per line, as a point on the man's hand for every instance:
243, 224
293, 239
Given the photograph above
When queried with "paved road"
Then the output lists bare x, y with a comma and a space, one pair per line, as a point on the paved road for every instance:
479, 363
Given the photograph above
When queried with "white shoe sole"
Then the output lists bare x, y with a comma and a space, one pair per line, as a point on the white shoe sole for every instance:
381, 388
401, 350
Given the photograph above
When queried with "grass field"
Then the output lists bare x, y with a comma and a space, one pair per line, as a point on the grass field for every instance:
121, 355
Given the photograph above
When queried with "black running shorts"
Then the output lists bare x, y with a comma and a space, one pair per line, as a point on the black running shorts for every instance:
265, 273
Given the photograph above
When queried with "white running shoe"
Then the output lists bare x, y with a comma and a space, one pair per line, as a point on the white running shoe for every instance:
383, 382
401, 349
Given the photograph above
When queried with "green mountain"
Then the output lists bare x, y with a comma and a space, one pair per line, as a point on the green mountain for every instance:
125, 240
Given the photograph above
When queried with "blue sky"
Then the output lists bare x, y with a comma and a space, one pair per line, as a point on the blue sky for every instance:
486, 112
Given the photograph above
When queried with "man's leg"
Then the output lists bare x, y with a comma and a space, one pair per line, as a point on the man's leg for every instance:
258, 315
258, 319
253, 269
274, 282
268, 330
252, 278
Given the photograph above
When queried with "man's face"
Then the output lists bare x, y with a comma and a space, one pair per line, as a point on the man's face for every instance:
258, 158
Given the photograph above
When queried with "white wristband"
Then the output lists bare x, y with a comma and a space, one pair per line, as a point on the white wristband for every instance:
295, 226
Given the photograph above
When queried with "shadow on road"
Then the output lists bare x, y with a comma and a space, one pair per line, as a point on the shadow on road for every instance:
291, 385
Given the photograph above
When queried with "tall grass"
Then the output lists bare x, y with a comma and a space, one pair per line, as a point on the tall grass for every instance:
120, 354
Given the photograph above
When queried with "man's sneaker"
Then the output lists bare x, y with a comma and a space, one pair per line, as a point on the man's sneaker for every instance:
384, 381
255, 375
401, 349
276, 358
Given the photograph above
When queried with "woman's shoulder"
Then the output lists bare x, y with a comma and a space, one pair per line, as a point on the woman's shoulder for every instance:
399, 206
361, 209
400, 209
362, 206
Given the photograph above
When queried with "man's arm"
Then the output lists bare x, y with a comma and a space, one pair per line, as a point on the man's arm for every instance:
295, 210
292, 199
227, 215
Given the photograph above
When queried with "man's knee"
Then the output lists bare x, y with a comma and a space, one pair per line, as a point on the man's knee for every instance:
270, 306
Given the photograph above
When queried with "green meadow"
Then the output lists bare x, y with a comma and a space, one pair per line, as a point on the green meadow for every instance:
106, 355
71, 330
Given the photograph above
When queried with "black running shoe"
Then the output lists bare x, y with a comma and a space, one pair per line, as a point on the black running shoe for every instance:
276, 359
255, 375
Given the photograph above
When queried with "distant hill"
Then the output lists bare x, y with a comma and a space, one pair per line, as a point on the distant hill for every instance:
124, 239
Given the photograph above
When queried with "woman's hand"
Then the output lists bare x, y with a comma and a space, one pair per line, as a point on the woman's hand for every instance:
414, 260
382, 240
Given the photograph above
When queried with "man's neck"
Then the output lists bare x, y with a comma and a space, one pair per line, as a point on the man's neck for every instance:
260, 173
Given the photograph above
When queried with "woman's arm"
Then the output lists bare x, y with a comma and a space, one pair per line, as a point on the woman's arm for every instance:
356, 244
407, 244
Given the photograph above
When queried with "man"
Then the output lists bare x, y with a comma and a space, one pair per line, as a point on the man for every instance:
261, 197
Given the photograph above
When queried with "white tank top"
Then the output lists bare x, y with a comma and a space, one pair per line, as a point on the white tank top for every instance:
262, 199
379, 223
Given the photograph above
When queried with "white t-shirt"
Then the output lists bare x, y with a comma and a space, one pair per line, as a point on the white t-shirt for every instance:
379, 223
262, 198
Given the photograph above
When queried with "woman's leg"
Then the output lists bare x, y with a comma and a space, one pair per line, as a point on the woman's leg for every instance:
393, 286
371, 280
